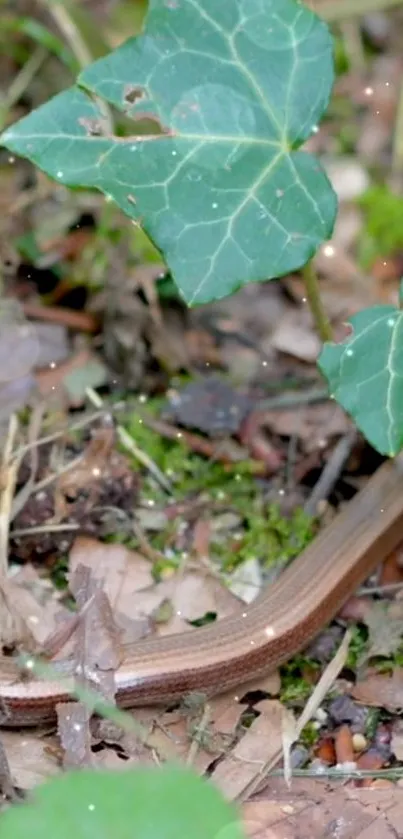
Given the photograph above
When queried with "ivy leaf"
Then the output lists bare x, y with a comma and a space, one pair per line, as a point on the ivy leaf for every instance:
150, 803
234, 88
365, 375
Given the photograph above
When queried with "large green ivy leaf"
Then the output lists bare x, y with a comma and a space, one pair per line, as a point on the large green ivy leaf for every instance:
235, 88
150, 803
365, 375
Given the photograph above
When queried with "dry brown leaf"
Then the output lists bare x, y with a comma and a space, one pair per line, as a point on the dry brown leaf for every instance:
295, 335
314, 809
323, 422
122, 574
128, 582
263, 739
32, 759
381, 691
34, 606
73, 728
385, 625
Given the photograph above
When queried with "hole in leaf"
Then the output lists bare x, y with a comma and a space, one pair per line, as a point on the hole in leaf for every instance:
93, 127
133, 94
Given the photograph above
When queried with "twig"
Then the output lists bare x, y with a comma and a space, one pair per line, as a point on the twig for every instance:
67, 25
330, 473
20, 83
127, 441
8, 477
80, 321
43, 528
388, 588
343, 773
34, 428
294, 400
50, 438
50, 478
333, 10
147, 549
326, 680
397, 152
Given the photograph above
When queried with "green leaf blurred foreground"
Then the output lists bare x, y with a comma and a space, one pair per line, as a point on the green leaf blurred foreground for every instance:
365, 375
233, 90
150, 803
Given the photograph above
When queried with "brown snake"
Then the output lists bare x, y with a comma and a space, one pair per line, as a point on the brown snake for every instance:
256, 639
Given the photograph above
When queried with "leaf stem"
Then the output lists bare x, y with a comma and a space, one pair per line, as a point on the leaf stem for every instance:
397, 152
332, 10
315, 303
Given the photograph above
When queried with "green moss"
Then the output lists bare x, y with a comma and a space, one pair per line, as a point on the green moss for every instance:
309, 735
382, 235
341, 61
295, 690
263, 532
357, 646
267, 535
190, 473
59, 571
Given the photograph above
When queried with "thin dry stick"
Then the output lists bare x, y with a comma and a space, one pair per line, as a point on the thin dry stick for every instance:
8, 477
129, 444
388, 588
50, 438
294, 400
341, 772
332, 10
331, 473
397, 153
325, 682
62, 471
22, 81
9, 469
79, 48
43, 528
147, 549
33, 431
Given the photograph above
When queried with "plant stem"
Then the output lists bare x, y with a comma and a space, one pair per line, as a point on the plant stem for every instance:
21, 82
332, 10
65, 19
397, 153
315, 303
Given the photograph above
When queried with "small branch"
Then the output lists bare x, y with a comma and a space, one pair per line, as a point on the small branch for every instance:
332, 10
43, 528
22, 81
293, 400
397, 153
315, 303
65, 21
331, 473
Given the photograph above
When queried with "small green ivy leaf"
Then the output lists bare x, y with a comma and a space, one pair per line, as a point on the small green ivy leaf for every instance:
234, 88
150, 803
365, 375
